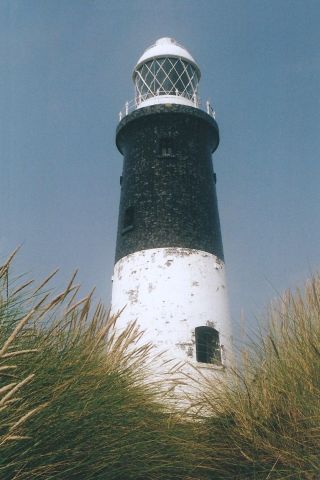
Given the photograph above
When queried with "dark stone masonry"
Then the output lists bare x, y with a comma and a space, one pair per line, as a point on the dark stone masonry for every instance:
168, 194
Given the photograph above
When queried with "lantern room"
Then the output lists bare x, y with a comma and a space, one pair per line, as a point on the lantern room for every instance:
166, 73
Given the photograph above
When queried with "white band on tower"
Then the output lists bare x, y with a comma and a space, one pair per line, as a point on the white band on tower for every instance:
171, 292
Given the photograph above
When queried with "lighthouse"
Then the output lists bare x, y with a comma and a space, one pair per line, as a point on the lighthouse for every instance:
169, 273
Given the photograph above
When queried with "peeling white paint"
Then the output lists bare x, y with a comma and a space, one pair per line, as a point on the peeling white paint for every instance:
170, 292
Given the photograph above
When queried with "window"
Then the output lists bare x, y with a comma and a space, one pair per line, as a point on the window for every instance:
166, 147
207, 345
128, 219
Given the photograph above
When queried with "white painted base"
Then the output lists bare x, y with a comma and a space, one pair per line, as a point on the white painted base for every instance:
170, 292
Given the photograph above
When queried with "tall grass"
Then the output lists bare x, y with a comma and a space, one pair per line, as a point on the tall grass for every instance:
77, 400
265, 424
87, 407
10, 422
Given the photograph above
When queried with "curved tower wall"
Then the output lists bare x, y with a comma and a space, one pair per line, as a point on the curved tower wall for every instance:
172, 193
171, 291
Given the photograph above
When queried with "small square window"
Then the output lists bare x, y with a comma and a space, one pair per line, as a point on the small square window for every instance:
207, 345
166, 147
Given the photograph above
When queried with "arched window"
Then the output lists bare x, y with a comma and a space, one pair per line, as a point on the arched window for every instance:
207, 345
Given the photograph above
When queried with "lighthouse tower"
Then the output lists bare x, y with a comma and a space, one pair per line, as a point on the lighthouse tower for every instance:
169, 273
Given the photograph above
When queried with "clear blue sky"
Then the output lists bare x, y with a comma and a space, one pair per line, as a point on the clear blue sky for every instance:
65, 72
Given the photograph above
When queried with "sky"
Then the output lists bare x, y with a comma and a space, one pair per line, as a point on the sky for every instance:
65, 73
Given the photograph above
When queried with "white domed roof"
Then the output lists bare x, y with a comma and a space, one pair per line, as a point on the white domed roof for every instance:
167, 47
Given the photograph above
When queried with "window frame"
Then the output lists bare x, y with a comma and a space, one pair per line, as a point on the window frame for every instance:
208, 347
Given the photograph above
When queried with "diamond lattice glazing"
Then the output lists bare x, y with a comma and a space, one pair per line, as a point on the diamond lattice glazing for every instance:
166, 76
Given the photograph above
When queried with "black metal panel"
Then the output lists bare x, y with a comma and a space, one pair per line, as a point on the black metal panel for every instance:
172, 189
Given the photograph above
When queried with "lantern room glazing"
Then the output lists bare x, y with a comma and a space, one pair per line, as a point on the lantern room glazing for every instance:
166, 72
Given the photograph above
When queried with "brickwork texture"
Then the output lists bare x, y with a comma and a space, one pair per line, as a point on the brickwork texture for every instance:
171, 196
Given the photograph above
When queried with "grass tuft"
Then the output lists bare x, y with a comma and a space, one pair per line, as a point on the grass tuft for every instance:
265, 423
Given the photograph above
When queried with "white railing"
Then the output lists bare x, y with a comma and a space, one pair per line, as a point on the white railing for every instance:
135, 103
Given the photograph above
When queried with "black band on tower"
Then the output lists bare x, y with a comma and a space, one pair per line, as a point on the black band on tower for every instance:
168, 194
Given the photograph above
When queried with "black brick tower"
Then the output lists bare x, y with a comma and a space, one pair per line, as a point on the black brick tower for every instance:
168, 180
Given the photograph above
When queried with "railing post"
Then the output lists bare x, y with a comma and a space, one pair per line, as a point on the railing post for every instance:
127, 108
208, 107
120, 116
